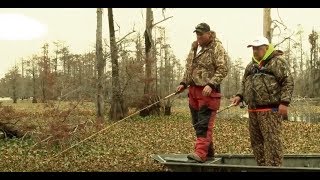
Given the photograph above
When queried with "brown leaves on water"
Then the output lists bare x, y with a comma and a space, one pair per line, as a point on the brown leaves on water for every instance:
128, 145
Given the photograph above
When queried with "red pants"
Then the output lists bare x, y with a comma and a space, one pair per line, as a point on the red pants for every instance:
203, 110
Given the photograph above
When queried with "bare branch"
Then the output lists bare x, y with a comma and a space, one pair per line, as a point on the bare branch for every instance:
49, 137
142, 13
294, 41
118, 26
273, 28
127, 82
289, 37
70, 110
279, 15
163, 11
282, 41
276, 21
161, 21
106, 43
118, 43
125, 36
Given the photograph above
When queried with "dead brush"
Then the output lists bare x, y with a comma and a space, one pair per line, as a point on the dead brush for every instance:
10, 122
60, 132
62, 126
62, 123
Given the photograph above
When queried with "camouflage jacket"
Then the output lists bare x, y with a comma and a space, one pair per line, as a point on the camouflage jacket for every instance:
208, 67
269, 85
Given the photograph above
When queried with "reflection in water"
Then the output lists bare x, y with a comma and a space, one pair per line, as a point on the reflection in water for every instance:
312, 117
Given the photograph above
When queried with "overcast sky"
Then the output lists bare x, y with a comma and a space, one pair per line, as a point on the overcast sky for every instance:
24, 31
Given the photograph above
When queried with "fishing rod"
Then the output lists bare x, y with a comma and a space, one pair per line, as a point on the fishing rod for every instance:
98, 132
228, 107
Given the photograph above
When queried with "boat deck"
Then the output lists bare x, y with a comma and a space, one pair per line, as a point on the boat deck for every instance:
239, 163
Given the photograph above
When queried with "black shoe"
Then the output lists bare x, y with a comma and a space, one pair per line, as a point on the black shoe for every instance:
210, 151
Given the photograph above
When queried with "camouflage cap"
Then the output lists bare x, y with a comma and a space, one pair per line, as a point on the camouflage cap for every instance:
202, 27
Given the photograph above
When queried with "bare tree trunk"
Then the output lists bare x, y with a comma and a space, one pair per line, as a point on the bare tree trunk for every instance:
167, 107
22, 68
148, 45
301, 73
301, 56
45, 74
100, 63
267, 23
55, 62
34, 98
44, 98
23, 84
161, 72
313, 39
150, 95
81, 65
118, 110
155, 62
14, 84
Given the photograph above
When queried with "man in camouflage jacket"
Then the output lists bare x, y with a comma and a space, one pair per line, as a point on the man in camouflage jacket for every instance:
267, 87
206, 67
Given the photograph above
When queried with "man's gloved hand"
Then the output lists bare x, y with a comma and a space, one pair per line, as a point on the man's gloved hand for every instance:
283, 111
236, 100
206, 90
180, 89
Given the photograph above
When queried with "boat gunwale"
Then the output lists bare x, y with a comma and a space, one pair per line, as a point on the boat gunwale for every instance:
215, 165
